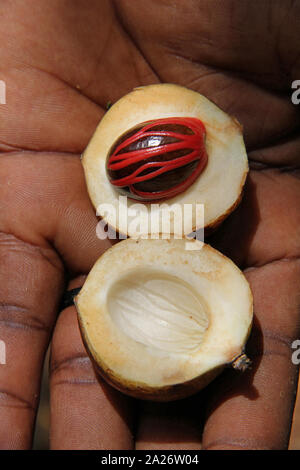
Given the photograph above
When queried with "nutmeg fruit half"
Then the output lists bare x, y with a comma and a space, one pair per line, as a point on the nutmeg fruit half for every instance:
165, 143
160, 322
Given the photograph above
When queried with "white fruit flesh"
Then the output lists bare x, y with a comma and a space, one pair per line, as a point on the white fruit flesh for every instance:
154, 314
218, 188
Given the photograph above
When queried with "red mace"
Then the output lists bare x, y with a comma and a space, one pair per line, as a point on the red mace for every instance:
158, 159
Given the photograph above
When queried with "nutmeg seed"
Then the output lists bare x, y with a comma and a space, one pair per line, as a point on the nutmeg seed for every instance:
158, 159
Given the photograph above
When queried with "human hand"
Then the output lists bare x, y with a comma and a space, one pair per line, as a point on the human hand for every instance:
62, 63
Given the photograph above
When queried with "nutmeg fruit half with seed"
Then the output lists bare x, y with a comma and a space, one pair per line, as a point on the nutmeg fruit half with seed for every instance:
159, 321
165, 144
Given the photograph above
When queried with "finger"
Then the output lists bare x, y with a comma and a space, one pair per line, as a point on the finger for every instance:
269, 211
31, 281
184, 45
45, 201
86, 413
222, 34
254, 410
66, 85
171, 426
44, 204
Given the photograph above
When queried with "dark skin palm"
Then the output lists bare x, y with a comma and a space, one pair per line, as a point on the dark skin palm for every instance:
62, 63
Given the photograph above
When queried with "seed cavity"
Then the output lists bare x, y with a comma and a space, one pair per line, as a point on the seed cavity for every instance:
158, 310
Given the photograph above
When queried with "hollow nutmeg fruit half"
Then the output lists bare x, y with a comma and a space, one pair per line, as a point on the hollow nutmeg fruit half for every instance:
159, 321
